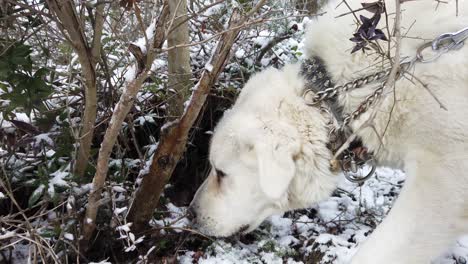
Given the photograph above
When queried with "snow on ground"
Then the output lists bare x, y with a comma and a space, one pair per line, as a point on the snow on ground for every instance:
326, 233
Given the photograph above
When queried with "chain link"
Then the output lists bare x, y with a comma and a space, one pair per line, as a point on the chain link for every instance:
330, 93
364, 106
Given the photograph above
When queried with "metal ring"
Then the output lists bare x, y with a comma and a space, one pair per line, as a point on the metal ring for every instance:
421, 58
360, 180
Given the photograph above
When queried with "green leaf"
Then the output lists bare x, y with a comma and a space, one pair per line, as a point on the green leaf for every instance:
5, 69
20, 54
41, 73
50, 233
4, 87
36, 195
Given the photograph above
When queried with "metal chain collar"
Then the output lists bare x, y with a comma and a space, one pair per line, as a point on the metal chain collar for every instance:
316, 73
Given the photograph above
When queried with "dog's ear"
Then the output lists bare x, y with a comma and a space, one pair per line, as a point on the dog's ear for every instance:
275, 150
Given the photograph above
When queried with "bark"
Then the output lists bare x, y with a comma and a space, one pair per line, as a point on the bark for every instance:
120, 112
174, 137
179, 69
88, 55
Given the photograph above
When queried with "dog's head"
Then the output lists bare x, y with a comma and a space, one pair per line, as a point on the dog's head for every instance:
258, 161
251, 170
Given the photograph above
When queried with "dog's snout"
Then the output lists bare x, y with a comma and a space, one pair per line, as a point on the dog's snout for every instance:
191, 214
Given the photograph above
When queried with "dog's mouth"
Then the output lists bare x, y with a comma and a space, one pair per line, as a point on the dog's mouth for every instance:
243, 229
240, 232
239, 235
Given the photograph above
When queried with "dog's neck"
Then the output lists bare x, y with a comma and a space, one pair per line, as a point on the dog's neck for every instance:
318, 79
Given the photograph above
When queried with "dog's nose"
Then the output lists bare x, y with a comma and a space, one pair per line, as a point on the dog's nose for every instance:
191, 214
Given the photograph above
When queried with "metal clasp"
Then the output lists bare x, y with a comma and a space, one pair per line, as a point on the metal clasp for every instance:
450, 41
442, 44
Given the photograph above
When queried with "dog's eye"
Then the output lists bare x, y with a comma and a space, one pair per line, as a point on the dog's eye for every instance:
220, 173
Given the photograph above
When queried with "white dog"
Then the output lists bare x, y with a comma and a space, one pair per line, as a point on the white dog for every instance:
270, 153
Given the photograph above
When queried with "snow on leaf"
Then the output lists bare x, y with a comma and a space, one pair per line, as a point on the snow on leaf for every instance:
118, 189
118, 211
7, 235
51, 190
125, 227
36, 195
69, 236
101, 262
45, 137
131, 236
58, 178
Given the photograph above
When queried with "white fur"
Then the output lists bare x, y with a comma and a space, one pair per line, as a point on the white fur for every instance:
272, 146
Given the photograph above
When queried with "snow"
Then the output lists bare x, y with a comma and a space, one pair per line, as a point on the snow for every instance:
209, 67
141, 42
146, 167
101, 262
213, 10
125, 227
118, 189
21, 254
2, 196
118, 211
45, 137
70, 202
51, 190
141, 120
50, 153
58, 178
69, 236
130, 75
263, 38
7, 235
23, 117
240, 53
158, 64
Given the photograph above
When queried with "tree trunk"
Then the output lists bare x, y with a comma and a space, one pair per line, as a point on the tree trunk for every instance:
88, 55
174, 137
179, 69
120, 112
